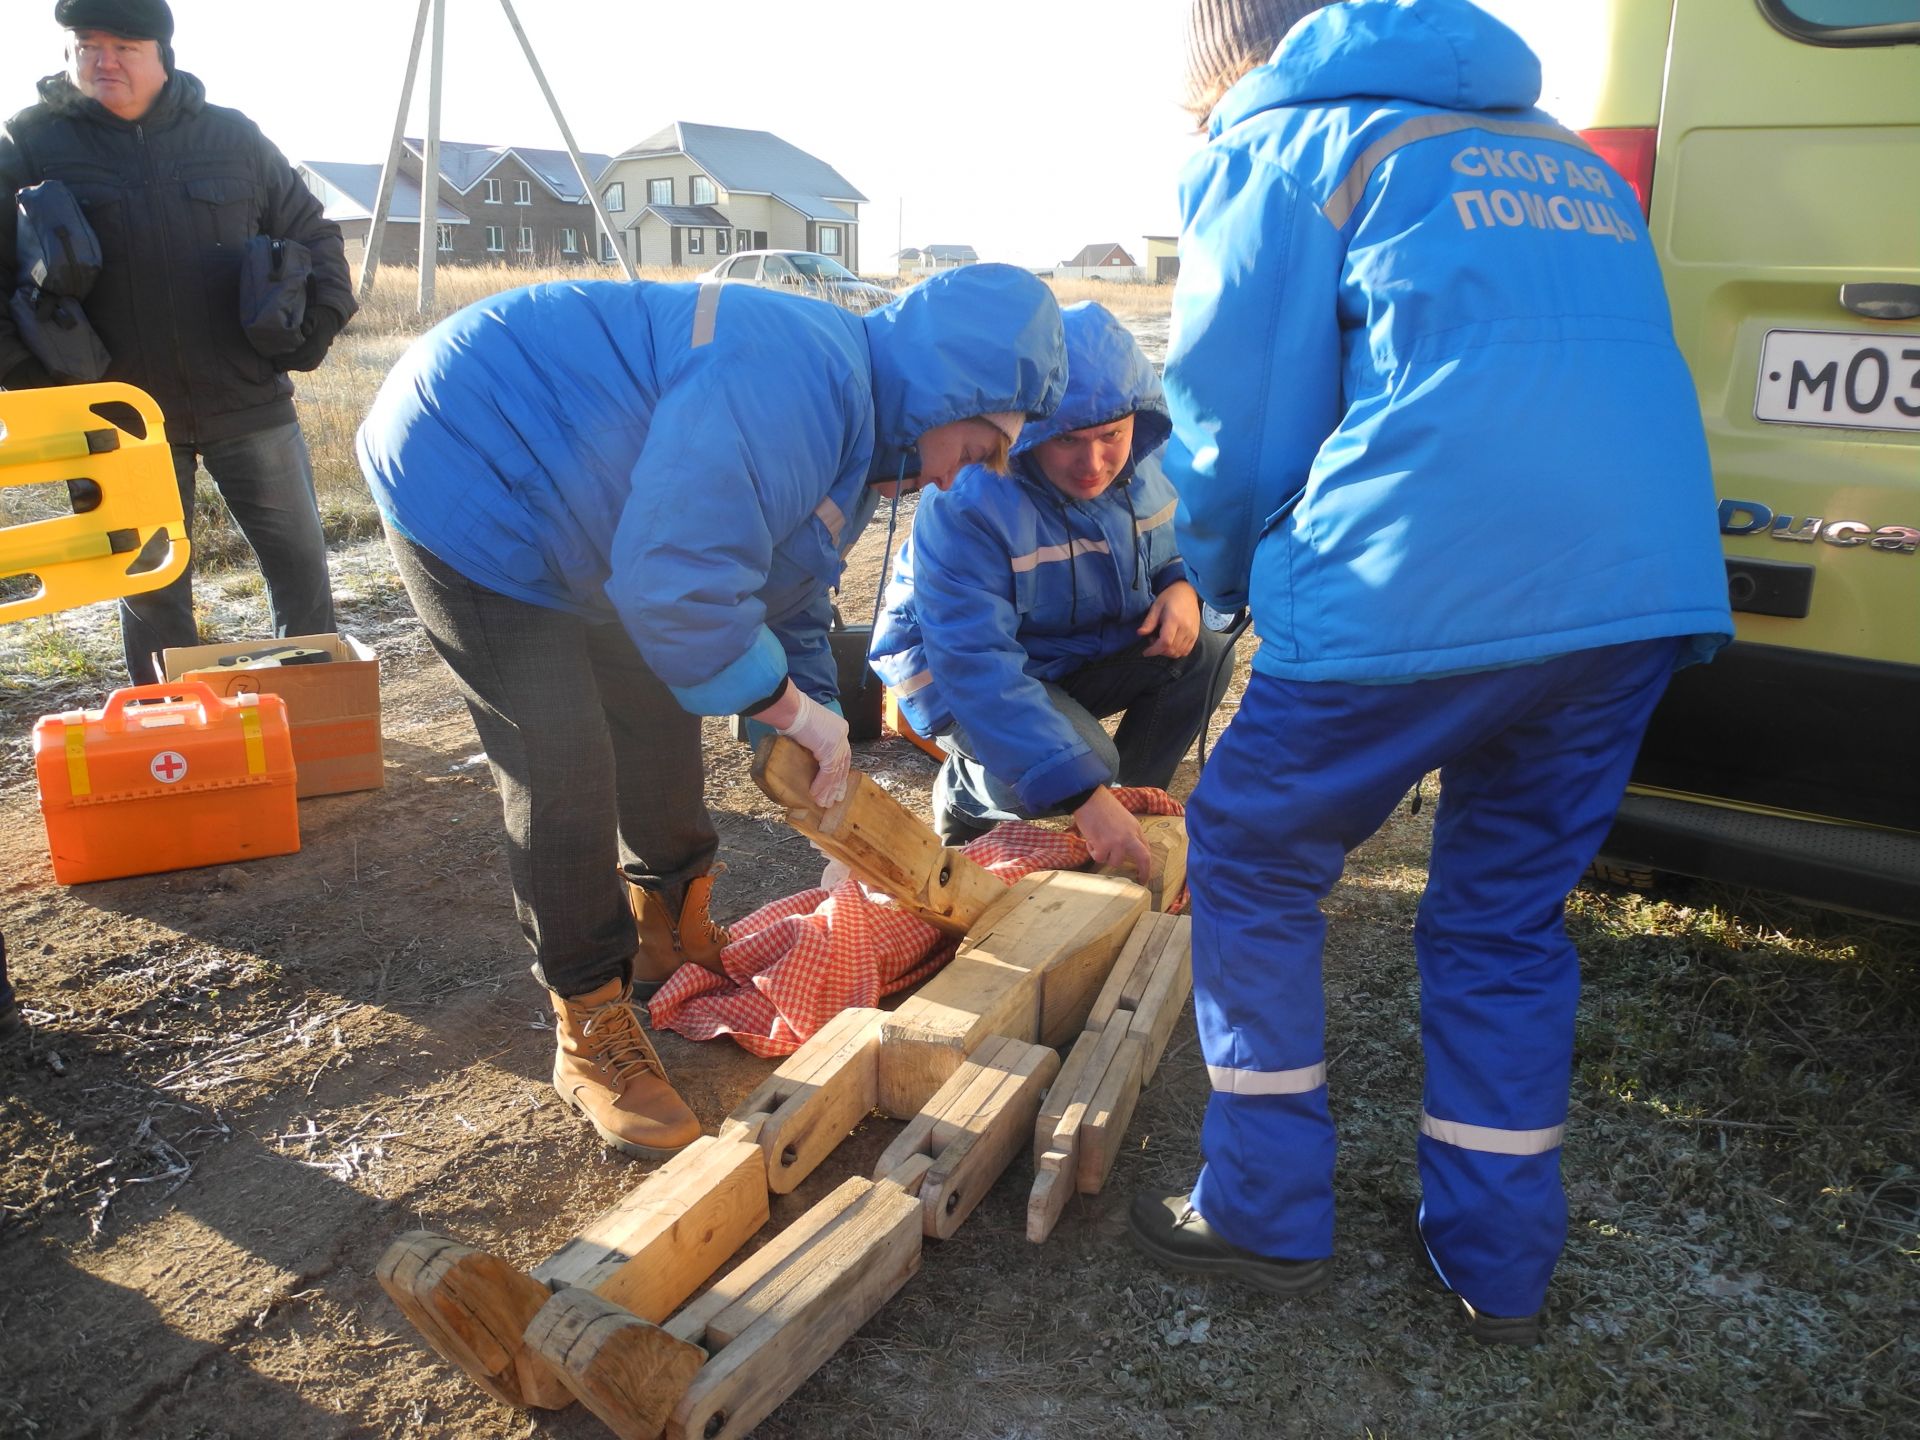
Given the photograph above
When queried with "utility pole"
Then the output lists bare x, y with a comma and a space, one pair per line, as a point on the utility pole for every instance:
430, 158
430, 163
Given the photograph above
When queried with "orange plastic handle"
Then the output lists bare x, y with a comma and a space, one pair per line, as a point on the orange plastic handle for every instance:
114, 719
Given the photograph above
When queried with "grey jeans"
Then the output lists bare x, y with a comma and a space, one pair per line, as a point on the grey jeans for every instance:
599, 770
1165, 700
266, 478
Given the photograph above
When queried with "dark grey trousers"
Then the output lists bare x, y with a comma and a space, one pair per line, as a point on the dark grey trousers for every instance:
599, 769
266, 479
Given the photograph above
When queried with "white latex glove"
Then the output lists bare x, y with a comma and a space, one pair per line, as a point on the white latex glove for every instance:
825, 734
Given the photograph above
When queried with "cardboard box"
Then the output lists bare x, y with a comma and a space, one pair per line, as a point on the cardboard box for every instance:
333, 706
165, 777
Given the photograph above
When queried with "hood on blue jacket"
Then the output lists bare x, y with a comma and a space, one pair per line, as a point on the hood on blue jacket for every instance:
1108, 375
1437, 52
978, 340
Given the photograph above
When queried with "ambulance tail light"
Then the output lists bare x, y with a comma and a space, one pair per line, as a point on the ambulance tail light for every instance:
1631, 153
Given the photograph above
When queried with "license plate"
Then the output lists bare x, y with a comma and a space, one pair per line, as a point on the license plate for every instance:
1824, 377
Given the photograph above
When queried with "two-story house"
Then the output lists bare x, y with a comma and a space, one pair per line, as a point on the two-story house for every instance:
498, 205
690, 195
920, 263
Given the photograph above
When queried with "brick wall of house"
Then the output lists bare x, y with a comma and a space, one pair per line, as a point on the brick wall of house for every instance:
544, 214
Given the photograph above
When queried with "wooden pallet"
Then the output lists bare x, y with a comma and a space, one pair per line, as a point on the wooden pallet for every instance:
618, 1318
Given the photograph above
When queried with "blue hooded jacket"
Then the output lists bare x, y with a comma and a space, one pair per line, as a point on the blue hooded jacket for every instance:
1007, 582
1428, 412
692, 460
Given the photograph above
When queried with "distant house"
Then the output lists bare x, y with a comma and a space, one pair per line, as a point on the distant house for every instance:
915, 264
1163, 258
1100, 262
688, 194
498, 205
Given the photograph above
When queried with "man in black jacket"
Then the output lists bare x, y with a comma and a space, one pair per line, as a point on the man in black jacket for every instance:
174, 188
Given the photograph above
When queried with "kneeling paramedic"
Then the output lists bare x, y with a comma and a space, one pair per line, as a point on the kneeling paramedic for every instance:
618, 508
1025, 608
1430, 421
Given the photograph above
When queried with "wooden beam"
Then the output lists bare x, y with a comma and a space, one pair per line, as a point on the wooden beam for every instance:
816, 1098
1165, 993
626, 1371
691, 1323
1103, 1125
1088, 919
879, 839
667, 1236
473, 1309
830, 1289
1034, 970
985, 1139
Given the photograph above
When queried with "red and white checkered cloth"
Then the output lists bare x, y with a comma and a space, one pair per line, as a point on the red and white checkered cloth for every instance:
795, 964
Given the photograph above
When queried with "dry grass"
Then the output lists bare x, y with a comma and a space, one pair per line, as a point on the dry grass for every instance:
1121, 299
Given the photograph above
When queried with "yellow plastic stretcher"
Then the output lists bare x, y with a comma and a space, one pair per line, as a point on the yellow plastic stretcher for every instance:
106, 445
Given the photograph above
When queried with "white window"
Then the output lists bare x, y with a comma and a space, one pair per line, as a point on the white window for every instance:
493, 192
659, 192
719, 242
569, 242
742, 240
606, 248
496, 239
695, 241
446, 236
523, 193
702, 190
615, 196
829, 239
526, 239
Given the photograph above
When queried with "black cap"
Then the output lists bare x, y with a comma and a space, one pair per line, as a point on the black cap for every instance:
130, 19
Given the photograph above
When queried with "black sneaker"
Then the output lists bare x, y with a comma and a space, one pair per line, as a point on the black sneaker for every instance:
1167, 1228
1487, 1329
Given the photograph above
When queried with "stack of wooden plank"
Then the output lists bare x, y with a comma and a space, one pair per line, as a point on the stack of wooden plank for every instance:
617, 1317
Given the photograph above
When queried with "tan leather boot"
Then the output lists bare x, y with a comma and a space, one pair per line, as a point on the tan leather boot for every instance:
667, 943
607, 1069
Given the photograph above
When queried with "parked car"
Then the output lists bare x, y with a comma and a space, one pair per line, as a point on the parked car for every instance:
1773, 145
809, 274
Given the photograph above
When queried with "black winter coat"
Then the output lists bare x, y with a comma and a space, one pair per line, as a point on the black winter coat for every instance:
174, 197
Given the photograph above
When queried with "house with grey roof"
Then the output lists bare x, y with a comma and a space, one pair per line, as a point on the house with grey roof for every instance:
1105, 261
689, 195
919, 262
498, 205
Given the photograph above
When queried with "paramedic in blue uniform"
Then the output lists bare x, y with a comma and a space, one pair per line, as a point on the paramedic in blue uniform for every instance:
618, 508
1430, 422
1025, 608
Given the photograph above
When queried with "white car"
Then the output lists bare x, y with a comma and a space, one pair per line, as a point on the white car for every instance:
805, 272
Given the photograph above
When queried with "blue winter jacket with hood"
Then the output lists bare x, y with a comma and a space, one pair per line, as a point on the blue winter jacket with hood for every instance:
1007, 582
692, 460
1428, 412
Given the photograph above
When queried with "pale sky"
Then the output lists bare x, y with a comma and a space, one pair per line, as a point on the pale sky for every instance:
1025, 128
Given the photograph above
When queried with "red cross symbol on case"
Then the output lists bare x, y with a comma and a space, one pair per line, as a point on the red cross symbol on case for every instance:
168, 767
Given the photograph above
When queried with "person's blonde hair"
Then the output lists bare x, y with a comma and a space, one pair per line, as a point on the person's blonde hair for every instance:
1001, 460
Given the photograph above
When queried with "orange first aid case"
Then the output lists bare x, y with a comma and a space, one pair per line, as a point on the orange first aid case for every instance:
165, 777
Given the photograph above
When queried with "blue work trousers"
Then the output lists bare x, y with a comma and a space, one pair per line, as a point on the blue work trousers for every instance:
1533, 761
266, 478
1163, 701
